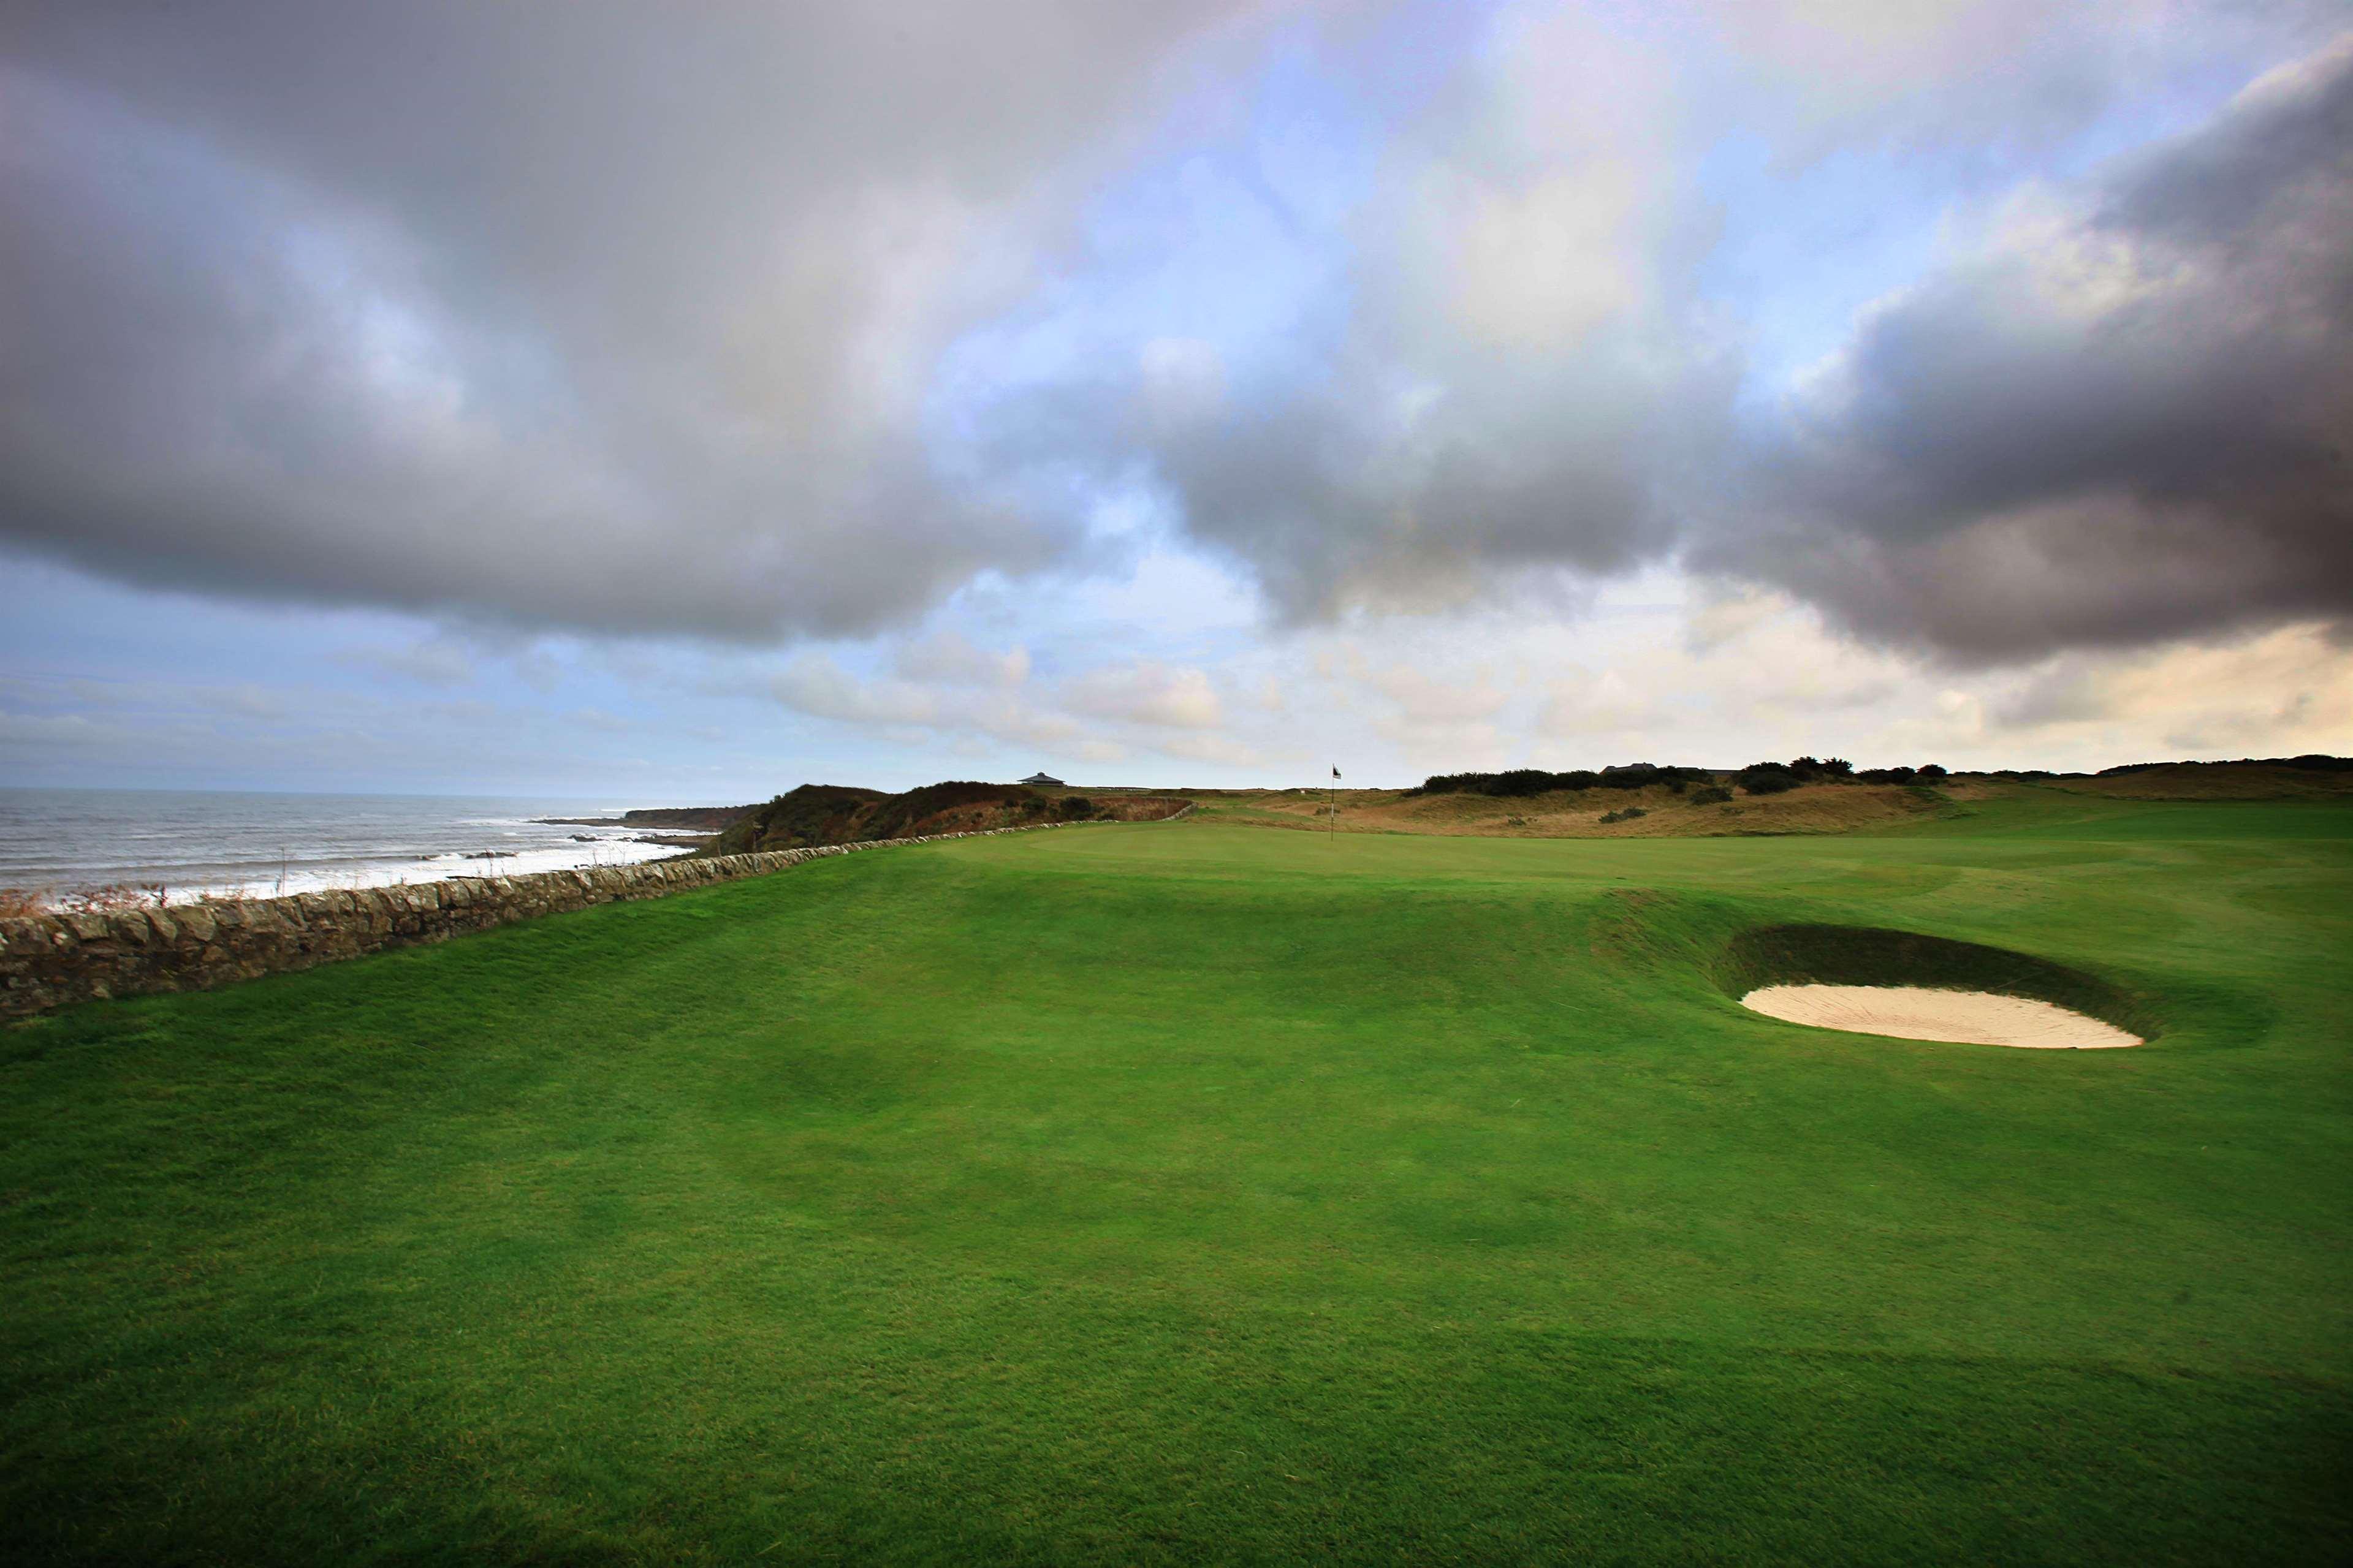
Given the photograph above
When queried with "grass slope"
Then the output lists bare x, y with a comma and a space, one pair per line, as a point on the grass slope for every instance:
831, 814
2214, 781
1844, 807
1181, 1192
1584, 814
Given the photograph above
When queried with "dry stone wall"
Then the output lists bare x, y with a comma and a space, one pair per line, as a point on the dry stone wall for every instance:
49, 961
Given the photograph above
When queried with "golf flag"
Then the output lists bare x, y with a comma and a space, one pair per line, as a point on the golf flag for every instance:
1335, 773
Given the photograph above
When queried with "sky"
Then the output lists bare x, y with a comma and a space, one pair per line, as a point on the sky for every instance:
680, 404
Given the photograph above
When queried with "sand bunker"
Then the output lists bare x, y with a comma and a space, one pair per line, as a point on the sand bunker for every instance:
1915, 1012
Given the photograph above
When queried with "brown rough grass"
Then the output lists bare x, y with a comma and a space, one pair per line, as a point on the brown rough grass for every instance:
1576, 813
2211, 781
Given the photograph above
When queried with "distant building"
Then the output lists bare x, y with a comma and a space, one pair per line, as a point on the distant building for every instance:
1042, 781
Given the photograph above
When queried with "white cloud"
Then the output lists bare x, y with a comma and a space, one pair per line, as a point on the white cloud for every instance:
817, 685
1147, 693
437, 660
814, 684
1211, 749
948, 656
1423, 700
597, 718
1577, 705
2283, 692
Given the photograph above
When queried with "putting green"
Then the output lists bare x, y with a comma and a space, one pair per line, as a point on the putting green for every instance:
1184, 1191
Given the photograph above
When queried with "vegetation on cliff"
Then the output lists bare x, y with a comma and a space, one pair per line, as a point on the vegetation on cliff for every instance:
839, 813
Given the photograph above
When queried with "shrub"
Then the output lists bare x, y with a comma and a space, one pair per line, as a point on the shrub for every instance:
1535, 781
1767, 778
1627, 814
1520, 782
1838, 767
1710, 795
1928, 774
1076, 808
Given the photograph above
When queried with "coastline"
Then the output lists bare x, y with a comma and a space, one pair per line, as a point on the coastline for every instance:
53, 959
62, 850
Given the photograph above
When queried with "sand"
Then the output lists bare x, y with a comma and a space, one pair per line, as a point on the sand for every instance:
1914, 1013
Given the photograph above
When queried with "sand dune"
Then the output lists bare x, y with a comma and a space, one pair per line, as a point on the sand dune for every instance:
1916, 1013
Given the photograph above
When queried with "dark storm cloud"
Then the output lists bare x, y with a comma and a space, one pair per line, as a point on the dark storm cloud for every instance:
2124, 418
630, 318
1508, 363
611, 316
1337, 496
2130, 418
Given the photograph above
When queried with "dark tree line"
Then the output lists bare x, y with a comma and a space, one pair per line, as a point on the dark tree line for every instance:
1773, 778
1757, 778
1535, 781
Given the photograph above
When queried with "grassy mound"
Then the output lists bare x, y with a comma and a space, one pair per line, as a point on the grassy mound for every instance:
2294, 778
831, 814
1639, 810
1197, 1193
1872, 955
812, 814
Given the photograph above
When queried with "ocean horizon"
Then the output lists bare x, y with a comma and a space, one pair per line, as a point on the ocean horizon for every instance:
256, 843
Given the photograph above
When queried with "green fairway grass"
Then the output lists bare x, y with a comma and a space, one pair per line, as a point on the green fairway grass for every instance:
1191, 1192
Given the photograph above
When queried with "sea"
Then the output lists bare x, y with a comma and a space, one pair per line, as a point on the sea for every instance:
196, 842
